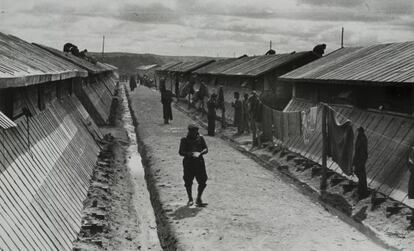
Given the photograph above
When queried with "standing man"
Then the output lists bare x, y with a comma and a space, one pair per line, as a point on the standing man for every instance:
211, 114
237, 105
166, 100
132, 83
192, 148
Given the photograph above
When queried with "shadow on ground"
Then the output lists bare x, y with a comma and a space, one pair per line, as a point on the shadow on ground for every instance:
185, 212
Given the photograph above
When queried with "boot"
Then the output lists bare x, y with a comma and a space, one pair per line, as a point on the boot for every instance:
190, 195
200, 189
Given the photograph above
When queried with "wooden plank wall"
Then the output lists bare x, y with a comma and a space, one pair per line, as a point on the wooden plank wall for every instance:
97, 98
389, 140
43, 184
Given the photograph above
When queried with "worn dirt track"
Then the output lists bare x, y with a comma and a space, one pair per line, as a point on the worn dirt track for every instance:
249, 207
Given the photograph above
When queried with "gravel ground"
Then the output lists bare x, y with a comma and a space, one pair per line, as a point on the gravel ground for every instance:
249, 207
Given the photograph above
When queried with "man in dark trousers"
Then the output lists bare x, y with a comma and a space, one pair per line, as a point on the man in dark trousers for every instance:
360, 158
132, 83
211, 114
166, 100
192, 148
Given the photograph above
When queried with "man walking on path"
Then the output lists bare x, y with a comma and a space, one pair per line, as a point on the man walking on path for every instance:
192, 148
166, 100
246, 117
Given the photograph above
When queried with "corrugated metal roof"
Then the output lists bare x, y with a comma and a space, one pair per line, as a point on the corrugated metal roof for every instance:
215, 67
146, 67
185, 67
253, 66
392, 63
5, 122
22, 64
168, 65
110, 67
85, 64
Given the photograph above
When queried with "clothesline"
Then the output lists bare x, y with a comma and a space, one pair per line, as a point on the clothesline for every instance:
357, 124
366, 129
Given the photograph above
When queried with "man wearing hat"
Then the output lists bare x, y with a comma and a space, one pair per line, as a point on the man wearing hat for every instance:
192, 148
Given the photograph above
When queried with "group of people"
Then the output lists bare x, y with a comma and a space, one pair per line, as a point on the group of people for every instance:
247, 115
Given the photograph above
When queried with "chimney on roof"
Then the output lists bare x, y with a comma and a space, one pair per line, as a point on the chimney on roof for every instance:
270, 51
319, 49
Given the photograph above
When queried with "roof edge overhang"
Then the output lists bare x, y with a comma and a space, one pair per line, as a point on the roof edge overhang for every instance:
24, 81
344, 82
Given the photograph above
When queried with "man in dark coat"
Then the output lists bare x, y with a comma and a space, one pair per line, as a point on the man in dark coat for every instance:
132, 83
192, 148
166, 100
360, 158
211, 114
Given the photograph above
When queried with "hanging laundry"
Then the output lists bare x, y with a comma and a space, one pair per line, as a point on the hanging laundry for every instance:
305, 127
313, 113
340, 142
277, 124
286, 124
292, 124
360, 159
267, 123
309, 123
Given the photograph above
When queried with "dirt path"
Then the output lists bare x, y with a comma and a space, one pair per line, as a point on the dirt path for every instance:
249, 208
131, 221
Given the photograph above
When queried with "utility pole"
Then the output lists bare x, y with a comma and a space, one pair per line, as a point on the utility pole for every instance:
103, 47
270, 44
342, 38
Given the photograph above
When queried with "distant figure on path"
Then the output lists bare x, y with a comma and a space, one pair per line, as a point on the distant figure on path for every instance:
238, 114
192, 148
166, 100
211, 114
132, 83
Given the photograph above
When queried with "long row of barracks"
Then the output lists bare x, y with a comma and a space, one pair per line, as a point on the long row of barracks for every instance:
371, 86
51, 105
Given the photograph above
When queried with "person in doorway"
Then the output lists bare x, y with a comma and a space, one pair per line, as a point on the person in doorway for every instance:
166, 100
360, 158
192, 148
237, 105
246, 117
211, 114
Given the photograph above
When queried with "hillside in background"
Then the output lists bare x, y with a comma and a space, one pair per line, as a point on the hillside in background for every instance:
128, 62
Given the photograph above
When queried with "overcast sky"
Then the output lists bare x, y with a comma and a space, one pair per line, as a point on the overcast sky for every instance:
207, 27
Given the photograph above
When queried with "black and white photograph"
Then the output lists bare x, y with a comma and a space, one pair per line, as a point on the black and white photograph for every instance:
204, 125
